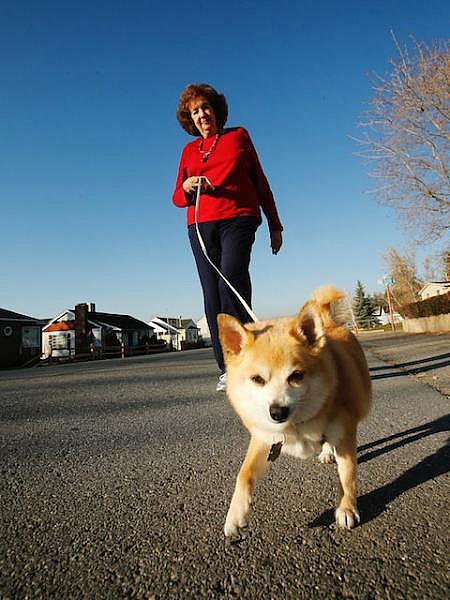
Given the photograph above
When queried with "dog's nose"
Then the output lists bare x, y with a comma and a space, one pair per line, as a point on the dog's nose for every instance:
279, 413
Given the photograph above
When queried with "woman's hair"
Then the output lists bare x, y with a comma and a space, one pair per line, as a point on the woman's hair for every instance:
195, 90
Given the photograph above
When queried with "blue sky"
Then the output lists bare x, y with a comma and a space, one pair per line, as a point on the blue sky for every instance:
90, 144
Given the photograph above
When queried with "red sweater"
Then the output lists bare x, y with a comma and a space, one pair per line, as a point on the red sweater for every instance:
233, 168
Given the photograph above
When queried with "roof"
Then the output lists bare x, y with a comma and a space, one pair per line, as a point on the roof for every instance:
176, 322
9, 315
189, 323
118, 321
442, 284
96, 319
162, 324
61, 326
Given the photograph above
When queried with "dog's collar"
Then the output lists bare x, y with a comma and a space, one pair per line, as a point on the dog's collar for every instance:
275, 449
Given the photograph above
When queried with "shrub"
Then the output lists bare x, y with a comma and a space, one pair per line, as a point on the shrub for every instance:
436, 305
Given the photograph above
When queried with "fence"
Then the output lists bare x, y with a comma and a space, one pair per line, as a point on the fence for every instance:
99, 353
435, 324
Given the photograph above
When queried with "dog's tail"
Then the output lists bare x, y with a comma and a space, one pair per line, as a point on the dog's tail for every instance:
333, 305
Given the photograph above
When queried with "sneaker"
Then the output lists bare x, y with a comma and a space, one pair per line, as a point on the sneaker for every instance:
222, 383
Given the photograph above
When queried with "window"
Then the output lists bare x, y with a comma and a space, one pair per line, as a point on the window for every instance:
31, 337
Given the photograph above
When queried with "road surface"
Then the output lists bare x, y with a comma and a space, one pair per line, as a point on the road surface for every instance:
116, 476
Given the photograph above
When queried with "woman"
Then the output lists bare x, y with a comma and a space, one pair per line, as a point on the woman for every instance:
229, 212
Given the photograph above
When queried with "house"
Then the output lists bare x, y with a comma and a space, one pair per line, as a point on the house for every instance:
205, 334
434, 288
190, 333
20, 338
384, 318
167, 333
179, 333
83, 330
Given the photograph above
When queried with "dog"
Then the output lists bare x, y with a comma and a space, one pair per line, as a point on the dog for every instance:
300, 385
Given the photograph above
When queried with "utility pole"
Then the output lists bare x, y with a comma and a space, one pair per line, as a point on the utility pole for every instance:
387, 281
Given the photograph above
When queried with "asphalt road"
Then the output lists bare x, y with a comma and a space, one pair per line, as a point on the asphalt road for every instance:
116, 476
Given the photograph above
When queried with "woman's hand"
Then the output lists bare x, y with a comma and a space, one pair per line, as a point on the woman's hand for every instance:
190, 184
276, 241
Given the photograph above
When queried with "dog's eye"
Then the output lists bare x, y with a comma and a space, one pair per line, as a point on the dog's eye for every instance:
257, 379
295, 378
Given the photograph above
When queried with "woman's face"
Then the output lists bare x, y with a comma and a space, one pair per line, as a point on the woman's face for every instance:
203, 116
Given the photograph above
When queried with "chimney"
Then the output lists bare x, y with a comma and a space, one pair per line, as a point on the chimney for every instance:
81, 328
91, 307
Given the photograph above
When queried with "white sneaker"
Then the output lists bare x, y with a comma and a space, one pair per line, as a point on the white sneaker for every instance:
222, 383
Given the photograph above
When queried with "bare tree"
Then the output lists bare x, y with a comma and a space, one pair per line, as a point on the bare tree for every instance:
406, 139
436, 267
446, 265
403, 270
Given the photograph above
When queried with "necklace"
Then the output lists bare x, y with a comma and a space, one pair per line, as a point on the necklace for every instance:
205, 153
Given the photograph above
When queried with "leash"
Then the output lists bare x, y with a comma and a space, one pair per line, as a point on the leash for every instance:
203, 247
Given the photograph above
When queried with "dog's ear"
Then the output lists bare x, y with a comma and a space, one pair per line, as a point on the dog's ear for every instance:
232, 334
307, 325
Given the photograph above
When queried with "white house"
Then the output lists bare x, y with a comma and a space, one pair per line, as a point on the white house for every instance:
82, 330
434, 288
202, 325
180, 333
384, 318
166, 333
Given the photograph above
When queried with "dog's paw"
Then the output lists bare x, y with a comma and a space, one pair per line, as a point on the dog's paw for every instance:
347, 518
233, 529
238, 515
235, 522
326, 456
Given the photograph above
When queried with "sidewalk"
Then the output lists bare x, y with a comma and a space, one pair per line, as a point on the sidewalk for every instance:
425, 356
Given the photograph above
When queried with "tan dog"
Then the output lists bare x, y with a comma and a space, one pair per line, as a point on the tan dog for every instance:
299, 384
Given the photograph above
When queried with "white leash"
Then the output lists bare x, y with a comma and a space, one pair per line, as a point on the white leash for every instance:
203, 247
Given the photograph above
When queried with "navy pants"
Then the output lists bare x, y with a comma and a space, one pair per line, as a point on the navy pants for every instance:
229, 244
